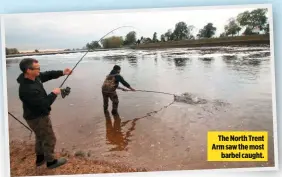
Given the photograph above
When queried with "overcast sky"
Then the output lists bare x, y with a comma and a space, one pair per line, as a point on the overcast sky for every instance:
74, 30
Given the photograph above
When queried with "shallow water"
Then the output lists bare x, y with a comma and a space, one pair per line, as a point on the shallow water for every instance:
228, 88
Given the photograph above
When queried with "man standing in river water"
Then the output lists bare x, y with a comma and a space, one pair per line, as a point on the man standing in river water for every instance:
109, 88
37, 107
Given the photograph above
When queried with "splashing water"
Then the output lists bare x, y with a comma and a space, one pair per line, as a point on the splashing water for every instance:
189, 99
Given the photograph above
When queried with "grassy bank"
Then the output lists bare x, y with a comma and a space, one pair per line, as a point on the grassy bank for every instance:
22, 163
223, 41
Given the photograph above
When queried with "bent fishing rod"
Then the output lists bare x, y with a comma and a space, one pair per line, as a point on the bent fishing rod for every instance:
66, 91
89, 50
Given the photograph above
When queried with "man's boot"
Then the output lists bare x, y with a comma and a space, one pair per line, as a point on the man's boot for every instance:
56, 163
40, 160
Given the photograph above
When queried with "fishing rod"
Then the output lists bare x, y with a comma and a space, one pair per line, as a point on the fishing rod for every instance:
22, 124
156, 92
151, 91
66, 91
89, 50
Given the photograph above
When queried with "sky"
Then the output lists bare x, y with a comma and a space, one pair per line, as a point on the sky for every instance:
68, 30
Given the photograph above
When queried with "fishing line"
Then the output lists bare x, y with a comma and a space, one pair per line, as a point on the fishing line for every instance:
154, 112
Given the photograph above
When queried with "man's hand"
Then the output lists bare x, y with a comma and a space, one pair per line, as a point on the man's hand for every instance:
57, 91
132, 89
123, 89
67, 71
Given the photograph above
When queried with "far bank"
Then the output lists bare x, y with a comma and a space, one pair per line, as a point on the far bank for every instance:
222, 41
210, 42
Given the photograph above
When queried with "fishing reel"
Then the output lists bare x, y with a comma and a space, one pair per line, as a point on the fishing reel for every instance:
65, 92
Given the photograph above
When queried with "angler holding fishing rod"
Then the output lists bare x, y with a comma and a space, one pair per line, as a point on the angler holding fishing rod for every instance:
109, 87
37, 106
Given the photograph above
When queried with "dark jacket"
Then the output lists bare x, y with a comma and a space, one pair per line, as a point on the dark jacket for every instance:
119, 79
36, 102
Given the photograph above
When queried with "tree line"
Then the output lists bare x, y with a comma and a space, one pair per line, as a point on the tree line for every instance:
114, 41
11, 51
246, 23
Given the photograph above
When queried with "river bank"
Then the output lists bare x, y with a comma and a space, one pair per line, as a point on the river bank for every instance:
22, 161
222, 41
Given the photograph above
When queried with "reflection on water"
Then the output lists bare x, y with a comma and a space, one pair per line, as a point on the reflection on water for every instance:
245, 66
260, 55
229, 58
180, 62
206, 59
132, 60
114, 133
240, 77
9, 63
118, 57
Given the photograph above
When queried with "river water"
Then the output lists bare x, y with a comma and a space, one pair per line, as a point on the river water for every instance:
236, 83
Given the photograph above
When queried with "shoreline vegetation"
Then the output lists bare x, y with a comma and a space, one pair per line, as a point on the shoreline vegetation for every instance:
210, 42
